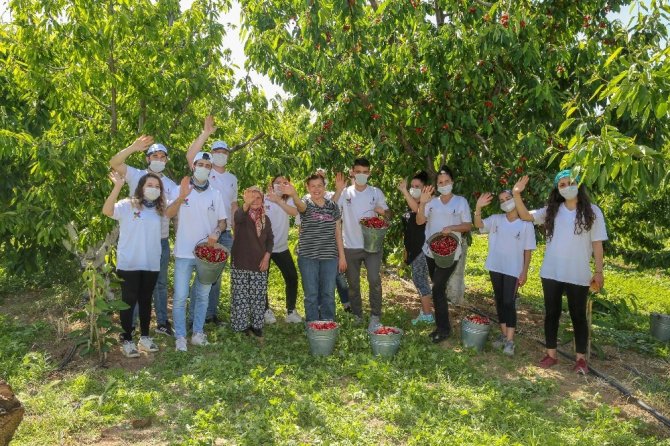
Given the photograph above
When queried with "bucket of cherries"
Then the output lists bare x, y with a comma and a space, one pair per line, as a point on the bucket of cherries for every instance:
474, 331
374, 229
385, 341
444, 247
209, 261
322, 336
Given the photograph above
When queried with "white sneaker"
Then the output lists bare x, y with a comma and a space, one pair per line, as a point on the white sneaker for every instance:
199, 339
293, 317
374, 323
180, 345
269, 316
129, 350
147, 344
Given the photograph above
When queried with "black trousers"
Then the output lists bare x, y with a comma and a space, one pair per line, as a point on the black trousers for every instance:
553, 300
284, 262
136, 289
440, 277
504, 292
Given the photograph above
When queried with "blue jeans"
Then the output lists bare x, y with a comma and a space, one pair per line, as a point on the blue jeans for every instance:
226, 239
183, 271
161, 291
342, 288
318, 284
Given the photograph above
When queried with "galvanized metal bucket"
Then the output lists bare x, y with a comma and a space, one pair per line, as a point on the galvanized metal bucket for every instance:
660, 326
385, 344
373, 239
474, 335
322, 342
206, 272
443, 261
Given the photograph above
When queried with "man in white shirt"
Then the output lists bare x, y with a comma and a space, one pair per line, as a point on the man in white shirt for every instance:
357, 201
202, 216
156, 158
226, 183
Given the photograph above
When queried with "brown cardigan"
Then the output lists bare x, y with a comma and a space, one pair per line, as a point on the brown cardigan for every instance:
249, 249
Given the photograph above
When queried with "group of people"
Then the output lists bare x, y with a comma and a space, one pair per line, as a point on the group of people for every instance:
205, 209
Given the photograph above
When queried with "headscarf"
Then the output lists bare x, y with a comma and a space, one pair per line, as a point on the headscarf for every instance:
257, 215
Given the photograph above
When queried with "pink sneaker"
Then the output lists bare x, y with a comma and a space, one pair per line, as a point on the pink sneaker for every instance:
548, 362
581, 367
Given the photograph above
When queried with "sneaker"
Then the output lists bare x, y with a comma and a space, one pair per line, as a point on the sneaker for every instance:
180, 345
293, 317
423, 318
199, 339
581, 367
509, 348
165, 329
438, 337
374, 323
215, 321
257, 332
129, 350
346, 307
499, 342
147, 344
548, 362
269, 316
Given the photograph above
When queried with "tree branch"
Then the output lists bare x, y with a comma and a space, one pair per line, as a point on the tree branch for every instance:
374, 4
177, 119
484, 4
439, 14
248, 142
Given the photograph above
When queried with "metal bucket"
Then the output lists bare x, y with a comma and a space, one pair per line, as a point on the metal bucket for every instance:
443, 261
322, 342
385, 345
208, 273
660, 326
474, 335
373, 239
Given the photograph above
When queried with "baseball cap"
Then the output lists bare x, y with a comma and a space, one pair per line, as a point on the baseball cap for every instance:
156, 148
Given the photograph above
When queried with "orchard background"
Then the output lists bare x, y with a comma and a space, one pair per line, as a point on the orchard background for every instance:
495, 90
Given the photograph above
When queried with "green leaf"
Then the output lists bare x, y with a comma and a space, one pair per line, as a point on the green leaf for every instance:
567, 123
613, 56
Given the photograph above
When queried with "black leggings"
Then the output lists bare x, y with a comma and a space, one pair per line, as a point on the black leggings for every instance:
284, 262
553, 300
440, 277
136, 289
504, 291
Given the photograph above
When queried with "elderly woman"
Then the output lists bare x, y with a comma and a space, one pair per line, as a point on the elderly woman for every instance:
252, 248
138, 253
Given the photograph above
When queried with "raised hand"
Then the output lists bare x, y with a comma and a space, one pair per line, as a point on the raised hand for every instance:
185, 187
402, 185
340, 181
289, 189
520, 185
272, 196
117, 178
209, 126
484, 200
142, 143
427, 194
249, 196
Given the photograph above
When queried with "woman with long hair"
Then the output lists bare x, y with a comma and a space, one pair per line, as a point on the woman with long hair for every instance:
575, 231
138, 253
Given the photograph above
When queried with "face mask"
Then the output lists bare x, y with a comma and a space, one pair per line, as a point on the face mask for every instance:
445, 190
508, 206
415, 192
152, 193
156, 166
219, 159
569, 192
278, 189
201, 173
361, 179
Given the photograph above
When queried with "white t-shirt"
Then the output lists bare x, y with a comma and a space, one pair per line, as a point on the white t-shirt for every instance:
170, 189
356, 205
568, 255
139, 245
507, 242
198, 215
280, 223
226, 184
439, 215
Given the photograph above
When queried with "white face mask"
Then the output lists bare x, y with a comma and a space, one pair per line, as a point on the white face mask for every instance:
361, 179
219, 159
445, 190
152, 193
507, 206
278, 189
201, 173
415, 192
569, 192
156, 166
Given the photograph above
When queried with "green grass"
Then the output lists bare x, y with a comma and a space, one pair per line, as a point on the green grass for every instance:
237, 392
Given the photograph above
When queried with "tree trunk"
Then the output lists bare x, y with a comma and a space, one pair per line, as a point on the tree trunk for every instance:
11, 413
456, 284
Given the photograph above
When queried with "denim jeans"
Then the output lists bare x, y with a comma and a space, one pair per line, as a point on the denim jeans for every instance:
342, 288
183, 271
161, 291
226, 239
318, 284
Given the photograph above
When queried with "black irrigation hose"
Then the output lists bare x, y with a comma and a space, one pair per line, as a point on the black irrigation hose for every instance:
609, 380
